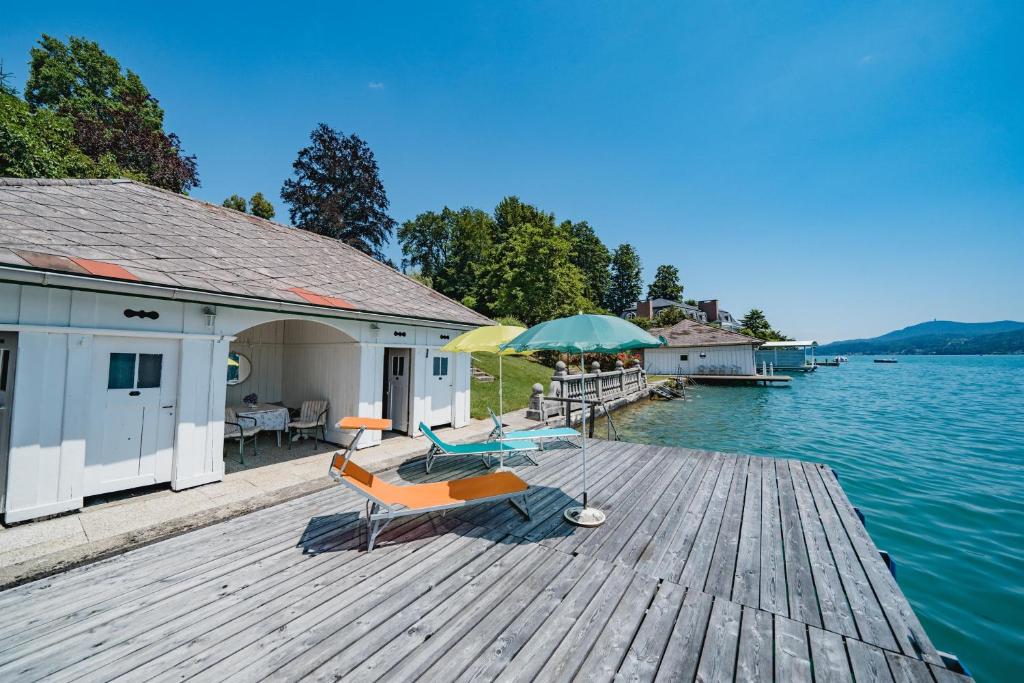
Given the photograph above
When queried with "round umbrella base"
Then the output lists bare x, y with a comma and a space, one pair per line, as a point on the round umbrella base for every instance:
502, 468
587, 516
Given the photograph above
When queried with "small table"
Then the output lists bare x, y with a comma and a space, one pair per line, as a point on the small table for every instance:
269, 418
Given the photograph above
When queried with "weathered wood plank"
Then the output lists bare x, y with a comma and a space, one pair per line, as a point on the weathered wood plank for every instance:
746, 589
682, 654
868, 662
773, 596
605, 656
722, 572
909, 633
792, 660
755, 659
577, 643
907, 670
803, 601
510, 641
671, 552
645, 652
829, 657
638, 544
872, 625
836, 613
717, 661
538, 650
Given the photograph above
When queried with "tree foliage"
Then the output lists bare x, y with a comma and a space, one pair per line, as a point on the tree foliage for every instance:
449, 247
666, 284
235, 202
336, 191
626, 281
117, 123
592, 257
755, 324
537, 281
261, 206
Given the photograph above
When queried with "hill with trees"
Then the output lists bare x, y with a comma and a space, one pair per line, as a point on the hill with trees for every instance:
938, 337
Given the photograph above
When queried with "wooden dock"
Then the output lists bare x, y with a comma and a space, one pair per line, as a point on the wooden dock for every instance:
764, 380
711, 567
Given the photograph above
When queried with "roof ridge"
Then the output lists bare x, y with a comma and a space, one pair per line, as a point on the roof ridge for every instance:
15, 182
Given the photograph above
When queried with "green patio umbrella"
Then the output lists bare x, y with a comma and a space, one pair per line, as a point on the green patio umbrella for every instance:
584, 334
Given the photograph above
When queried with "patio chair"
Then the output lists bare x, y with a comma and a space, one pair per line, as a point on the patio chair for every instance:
237, 427
385, 501
312, 417
484, 449
567, 434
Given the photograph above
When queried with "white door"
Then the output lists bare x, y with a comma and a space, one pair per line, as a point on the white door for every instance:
396, 388
8, 348
439, 389
131, 436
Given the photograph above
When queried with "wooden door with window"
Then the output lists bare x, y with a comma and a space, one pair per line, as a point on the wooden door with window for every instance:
131, 434
439, 389
396, 387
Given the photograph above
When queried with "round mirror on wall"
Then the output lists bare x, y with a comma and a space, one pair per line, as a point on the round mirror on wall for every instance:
239, 368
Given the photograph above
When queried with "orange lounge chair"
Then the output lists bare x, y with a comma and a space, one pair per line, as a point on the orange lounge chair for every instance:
385, 501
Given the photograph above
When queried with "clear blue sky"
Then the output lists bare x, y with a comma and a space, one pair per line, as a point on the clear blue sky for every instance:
850, 168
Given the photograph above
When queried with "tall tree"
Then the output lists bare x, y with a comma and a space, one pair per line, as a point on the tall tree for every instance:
535, 279
336, 191
234, 202
41, 144
261, 206
449, 248
666, 284
511, 211
116, 119
626, 282
592, 257
755, 324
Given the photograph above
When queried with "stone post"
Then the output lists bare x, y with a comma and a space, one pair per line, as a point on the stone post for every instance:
595, 370
538, 409
622, 376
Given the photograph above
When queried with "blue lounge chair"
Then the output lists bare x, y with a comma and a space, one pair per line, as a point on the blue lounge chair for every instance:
484, 450
567, 434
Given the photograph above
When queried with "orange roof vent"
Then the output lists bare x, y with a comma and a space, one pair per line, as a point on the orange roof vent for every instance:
319, 299
102, 269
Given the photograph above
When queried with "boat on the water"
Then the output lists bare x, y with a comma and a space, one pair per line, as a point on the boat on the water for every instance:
886, 360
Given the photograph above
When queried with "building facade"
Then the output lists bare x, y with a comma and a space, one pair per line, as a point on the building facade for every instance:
697, 349
124, 308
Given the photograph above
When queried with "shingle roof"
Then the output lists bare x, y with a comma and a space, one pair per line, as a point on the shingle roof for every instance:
121, 229
692, 333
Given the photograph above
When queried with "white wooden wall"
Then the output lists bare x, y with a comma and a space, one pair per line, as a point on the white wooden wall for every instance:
666, 361
293, 360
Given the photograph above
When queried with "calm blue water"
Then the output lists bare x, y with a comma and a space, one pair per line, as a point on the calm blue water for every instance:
931, 449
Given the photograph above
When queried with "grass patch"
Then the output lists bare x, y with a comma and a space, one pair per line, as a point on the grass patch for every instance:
521, 373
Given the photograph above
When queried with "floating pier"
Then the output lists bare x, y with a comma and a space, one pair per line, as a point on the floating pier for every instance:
710, 567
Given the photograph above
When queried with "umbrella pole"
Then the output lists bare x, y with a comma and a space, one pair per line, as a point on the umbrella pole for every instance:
501, 415
586, 515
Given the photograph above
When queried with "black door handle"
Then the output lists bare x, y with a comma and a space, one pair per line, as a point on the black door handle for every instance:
134, 393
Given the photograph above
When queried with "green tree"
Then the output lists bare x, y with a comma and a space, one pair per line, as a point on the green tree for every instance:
336, 191
755, 324
450, 247
592, 257
511, 211
535, 279
235, 202
116, 119
626, 282
666, 284
669, 317
41, 144
261, 206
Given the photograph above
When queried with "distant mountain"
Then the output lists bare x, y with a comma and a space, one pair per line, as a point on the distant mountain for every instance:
937, 337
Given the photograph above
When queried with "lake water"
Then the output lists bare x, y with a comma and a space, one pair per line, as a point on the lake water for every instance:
931, 449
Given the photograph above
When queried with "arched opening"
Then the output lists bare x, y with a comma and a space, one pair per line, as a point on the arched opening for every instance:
285, 373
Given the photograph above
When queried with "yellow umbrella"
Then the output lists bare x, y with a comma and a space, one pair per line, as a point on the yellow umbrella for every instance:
488, 339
